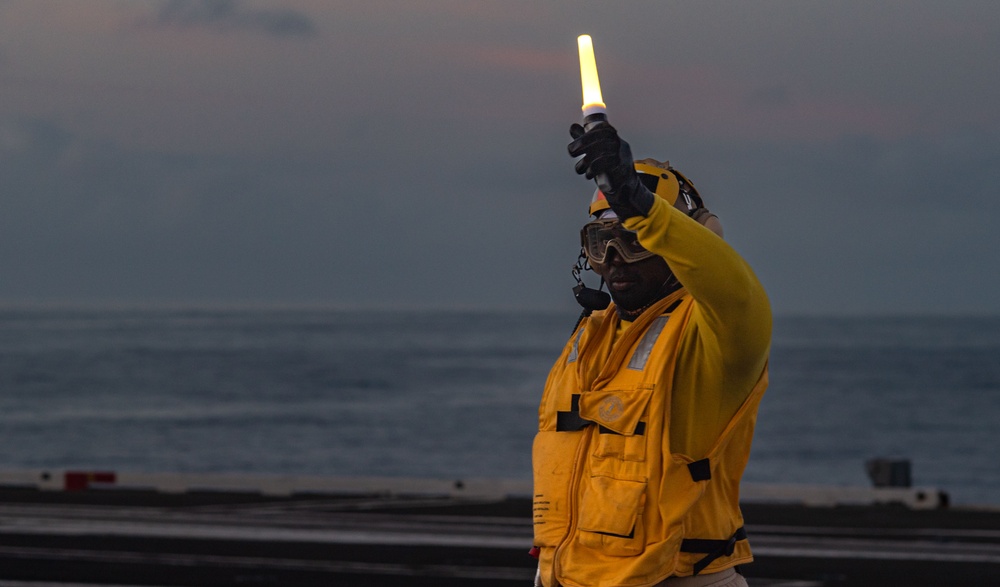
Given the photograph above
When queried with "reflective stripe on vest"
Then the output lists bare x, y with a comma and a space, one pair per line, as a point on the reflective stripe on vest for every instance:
575, 351
645, 347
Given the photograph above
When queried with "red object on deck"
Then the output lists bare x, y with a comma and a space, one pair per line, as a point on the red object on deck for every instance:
80, 480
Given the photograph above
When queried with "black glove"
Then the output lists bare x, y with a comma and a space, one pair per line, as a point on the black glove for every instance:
607, 159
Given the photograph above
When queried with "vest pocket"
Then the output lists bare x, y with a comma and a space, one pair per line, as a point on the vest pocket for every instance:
619, 415
611, 445
611, 515
552, 461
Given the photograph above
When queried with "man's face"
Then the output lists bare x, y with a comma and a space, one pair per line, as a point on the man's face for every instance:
634, 285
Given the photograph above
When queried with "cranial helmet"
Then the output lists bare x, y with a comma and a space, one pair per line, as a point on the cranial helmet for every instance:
669, 184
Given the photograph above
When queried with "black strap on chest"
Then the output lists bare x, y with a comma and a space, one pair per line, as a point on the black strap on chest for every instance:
713, 549
571, 421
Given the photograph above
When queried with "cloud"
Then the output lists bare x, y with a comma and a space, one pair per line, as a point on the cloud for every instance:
235, 15
196, 163
525, 60
91, 219
861, 224
770, 97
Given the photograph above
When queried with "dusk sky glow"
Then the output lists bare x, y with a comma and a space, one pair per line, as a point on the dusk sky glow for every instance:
412, 154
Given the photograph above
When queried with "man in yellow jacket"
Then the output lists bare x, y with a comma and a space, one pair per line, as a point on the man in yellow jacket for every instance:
647, 416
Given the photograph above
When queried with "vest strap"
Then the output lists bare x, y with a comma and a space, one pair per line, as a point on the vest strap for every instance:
700, 470
640, 429
712, 548
571, 421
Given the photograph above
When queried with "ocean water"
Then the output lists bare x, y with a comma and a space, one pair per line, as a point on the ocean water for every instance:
454, 394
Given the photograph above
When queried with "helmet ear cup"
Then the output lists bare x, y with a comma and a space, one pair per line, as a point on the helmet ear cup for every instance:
710, 221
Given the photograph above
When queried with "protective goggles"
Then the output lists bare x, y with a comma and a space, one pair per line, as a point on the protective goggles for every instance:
597, 236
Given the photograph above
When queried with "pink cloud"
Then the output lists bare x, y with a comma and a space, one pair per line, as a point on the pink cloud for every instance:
705, 101
511, 59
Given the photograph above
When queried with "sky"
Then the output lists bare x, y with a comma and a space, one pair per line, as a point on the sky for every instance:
400, 154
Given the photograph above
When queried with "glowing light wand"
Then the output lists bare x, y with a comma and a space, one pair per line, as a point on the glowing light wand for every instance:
594, 111
593, 102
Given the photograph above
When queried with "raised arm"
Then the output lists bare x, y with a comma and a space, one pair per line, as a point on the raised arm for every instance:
732, 303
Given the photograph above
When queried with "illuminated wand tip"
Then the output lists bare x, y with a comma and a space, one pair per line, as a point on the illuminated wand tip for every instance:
593, 102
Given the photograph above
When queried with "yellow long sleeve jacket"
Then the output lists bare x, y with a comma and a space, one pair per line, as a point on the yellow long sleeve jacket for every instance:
644, 431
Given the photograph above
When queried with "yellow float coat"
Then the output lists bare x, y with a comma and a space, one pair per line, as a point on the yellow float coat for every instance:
644, 432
